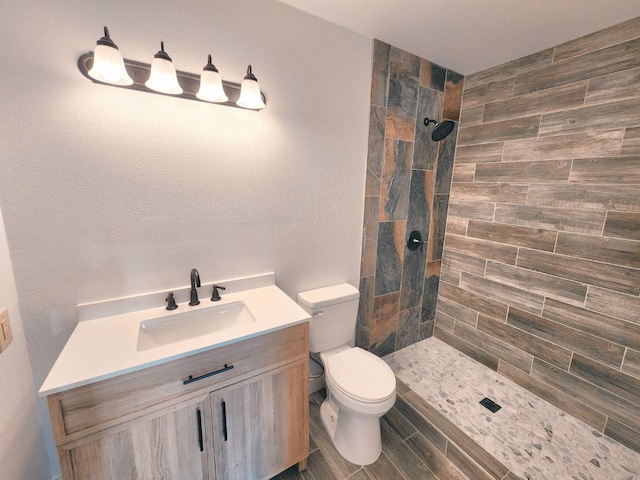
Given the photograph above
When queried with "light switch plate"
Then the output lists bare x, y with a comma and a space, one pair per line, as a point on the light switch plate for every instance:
6, 336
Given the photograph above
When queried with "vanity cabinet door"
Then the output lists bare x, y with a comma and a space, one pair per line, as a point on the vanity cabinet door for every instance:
260, 425
171, 444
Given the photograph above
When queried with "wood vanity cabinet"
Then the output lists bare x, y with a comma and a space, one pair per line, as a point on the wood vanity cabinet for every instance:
247, 421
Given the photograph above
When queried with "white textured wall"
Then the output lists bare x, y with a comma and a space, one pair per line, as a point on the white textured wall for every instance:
22, 453
108, 192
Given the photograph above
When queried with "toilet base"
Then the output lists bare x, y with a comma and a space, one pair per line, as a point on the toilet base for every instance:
357, 438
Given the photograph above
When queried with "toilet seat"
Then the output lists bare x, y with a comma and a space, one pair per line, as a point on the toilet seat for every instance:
360, 375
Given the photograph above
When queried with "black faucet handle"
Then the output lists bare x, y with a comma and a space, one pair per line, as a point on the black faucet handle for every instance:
171, 302
215, 296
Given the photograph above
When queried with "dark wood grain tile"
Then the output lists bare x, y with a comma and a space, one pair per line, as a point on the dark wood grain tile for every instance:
554, 396
544, 101
551, 171
517, 128
467, 209
401, 387
482, 153
623, 434
549, 218
594, 323
482, 248
289, 474
407, 462
613, 303
472, 351
464, 172
610, 379
564, 147
318, 468
605, 275
631, 363
625, 170
361, 474
601, 62
445, 322
488, 92
631, 142
510, 69
531, 344
622, 225
485, 306
609, 404
586, 196
383, 469
574, 340
535, 238
459, 312
602, 249
465, 263
467, 466
495, 346
620, 85
607, 37
434, 458
422, 424
399, 424
549, 286
593, 118
450, 275
500, 292
490, 192
456, 225
471, 116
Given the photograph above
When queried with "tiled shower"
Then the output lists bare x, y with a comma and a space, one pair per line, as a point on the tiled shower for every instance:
538, 275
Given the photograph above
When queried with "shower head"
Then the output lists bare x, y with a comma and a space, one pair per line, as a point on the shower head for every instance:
441, 130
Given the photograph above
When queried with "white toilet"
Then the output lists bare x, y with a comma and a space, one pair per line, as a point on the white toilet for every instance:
361, 387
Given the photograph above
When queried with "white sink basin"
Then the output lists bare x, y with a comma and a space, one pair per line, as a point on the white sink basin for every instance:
177, 327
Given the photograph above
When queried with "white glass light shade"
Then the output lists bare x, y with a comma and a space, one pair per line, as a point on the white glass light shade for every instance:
211, 89
163, 77
108, 65
250, 92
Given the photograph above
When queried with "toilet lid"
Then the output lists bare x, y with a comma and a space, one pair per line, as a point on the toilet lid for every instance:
361, 375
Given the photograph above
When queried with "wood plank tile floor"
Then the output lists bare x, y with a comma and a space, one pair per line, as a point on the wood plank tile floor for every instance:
402, 458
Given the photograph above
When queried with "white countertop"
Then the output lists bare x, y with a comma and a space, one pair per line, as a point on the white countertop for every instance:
106, 347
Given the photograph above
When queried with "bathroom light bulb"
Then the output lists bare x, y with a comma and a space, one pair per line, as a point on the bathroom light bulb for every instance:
250, 92
211, 89
108, 64
163, 77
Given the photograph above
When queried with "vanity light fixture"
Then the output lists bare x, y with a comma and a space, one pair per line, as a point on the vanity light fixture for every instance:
211, 89
107, 66
163, 74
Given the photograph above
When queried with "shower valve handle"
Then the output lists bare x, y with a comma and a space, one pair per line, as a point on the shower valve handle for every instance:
415, 241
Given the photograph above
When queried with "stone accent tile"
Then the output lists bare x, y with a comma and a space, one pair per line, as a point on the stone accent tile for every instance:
412, 278
400, 128
432, 75
444, 170
369, 236
375, 153
380, 76
452, 96
365, 313
438, 227
420, 202
385, 322
404, 72
426, 329
390, 257
408, 331
430, 292
426, 150
396, 178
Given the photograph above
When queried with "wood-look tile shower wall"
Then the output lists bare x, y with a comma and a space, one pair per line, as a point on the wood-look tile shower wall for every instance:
407, 188
541, 269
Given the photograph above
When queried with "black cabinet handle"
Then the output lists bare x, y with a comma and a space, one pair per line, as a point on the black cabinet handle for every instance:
224, 420
192, 379
200, 439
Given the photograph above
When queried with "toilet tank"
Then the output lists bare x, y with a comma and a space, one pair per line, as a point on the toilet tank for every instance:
334, 311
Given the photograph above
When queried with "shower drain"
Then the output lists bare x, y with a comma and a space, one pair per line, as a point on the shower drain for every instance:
490, 404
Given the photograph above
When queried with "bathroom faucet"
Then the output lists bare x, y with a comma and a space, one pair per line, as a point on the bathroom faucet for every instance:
195, 282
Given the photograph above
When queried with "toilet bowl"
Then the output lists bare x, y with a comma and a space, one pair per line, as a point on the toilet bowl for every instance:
361, 387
